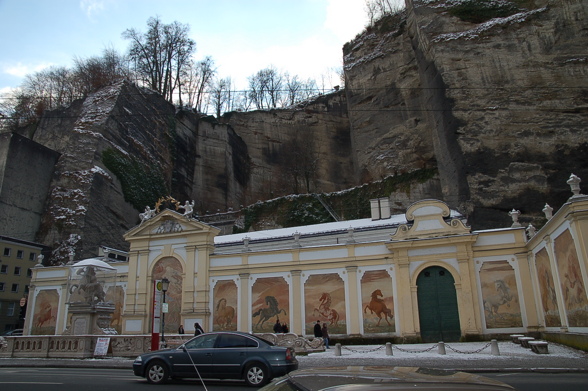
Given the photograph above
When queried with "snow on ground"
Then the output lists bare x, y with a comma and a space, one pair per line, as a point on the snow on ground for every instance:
513, 358
508, 350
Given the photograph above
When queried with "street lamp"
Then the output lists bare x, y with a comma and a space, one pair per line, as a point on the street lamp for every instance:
164, 287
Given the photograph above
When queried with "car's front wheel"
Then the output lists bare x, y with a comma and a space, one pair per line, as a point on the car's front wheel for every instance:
256, 375
157, 372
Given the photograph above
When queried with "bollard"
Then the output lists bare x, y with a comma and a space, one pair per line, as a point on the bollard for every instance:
337, 349
389, 349
441, 348
494, 348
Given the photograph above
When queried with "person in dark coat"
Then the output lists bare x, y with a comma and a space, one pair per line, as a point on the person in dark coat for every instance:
277, 326
318, 333
285, 328
181, 329
325, 335
198, 329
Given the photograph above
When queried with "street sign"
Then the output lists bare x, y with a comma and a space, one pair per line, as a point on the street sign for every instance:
164, 308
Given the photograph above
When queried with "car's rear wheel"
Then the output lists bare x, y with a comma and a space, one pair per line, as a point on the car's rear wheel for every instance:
157, 372
256, 375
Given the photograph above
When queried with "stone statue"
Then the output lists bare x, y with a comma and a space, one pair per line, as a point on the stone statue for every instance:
188, 209
149, 213
89, 286
515, 218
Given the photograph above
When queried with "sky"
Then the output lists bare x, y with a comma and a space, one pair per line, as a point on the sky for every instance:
301, 37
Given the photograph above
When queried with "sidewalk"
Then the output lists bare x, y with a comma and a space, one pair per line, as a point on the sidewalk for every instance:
470, 357
513, 358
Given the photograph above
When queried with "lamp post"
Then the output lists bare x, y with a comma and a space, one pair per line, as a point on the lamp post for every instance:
164, 287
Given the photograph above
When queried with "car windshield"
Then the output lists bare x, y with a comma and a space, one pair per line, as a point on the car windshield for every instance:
204, 341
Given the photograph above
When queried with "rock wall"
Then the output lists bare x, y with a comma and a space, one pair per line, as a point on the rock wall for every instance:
500, 107
297, 150
26, 169
123, 147
497, 108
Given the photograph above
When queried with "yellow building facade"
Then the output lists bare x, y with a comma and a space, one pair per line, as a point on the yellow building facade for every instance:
424, 275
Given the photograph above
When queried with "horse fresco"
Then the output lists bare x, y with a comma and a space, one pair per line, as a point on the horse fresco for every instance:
378, 307
267, 313
325, 309
224, 314
44, 315
504, 296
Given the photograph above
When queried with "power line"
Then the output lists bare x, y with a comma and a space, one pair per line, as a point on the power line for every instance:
321, 91
401, 109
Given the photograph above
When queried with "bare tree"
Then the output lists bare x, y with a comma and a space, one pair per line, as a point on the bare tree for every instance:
377, 9
265, 88
199, 77
161, 55
221, 96
94, 73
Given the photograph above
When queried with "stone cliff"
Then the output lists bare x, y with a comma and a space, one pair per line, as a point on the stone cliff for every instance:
497, 109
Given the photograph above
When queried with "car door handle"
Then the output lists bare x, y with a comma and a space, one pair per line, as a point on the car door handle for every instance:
208, 354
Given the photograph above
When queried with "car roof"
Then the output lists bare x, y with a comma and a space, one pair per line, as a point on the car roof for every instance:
375, 378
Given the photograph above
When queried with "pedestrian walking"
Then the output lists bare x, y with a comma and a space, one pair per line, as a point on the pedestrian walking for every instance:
198, 329
277, 326
325, 332
317, 329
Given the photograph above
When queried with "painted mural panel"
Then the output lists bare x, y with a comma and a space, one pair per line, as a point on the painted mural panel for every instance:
271, 303
547, 289
116, 295
499, 293
224, 316
171, 269
324, 296
377, 302
45, 312
572, 284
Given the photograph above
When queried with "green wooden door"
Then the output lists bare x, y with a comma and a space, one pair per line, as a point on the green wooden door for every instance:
439, 317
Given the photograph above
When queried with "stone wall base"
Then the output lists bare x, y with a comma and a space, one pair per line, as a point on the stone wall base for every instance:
578, 341
125, 346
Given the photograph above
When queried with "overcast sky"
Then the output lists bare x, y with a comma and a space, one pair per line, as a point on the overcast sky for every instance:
303, 37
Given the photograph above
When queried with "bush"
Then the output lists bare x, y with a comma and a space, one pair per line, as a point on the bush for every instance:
142, 185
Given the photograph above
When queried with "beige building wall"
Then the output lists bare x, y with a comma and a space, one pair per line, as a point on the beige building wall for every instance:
361, 281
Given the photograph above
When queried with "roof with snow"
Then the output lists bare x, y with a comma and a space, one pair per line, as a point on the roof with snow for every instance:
361, 230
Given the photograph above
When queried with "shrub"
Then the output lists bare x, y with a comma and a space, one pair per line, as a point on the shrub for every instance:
141, 184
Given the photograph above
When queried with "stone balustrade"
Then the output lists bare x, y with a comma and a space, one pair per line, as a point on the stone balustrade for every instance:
72, 346
126, 346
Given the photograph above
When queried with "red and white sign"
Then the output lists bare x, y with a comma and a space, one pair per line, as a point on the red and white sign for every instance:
156, 321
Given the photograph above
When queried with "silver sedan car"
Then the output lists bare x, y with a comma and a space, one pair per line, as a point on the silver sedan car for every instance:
380, 378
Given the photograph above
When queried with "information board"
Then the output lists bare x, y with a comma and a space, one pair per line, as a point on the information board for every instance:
102, 346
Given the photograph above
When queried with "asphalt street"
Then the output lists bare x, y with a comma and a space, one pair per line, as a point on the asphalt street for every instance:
460, 356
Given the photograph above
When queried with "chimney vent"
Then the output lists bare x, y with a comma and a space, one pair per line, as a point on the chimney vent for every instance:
380, 208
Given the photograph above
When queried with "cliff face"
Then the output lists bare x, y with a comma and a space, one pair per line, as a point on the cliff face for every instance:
86, 204
500, 107
497, 108
124, 147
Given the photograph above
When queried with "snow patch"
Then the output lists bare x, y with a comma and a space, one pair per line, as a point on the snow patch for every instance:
475, 32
